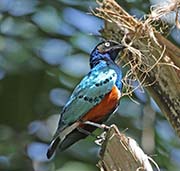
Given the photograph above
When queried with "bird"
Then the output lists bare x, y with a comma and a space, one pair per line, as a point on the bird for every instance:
93, 100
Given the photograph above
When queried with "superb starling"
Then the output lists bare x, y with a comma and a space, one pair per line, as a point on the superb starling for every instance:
94, 99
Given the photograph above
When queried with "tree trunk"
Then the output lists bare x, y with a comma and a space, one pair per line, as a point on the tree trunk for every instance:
152, 59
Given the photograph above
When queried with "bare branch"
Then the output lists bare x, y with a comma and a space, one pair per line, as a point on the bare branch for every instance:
122, 153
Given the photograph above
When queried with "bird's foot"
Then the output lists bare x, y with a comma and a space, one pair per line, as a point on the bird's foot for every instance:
100, 139
101, 126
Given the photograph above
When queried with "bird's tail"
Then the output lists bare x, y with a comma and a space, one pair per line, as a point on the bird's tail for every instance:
59, 138
52, 147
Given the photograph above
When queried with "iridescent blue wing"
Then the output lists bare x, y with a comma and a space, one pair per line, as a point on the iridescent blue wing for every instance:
87, 94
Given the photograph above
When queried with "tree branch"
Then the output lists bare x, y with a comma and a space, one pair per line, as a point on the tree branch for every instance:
122, 153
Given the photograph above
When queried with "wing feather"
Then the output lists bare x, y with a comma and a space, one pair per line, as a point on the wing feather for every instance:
87, 94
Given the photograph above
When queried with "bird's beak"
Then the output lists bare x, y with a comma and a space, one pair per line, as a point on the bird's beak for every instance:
118, 47
114, 50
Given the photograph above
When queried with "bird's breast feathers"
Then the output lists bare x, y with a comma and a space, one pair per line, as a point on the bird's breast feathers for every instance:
107, 105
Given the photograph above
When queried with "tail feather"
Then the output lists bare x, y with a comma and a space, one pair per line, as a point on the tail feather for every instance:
52, 148
59, 138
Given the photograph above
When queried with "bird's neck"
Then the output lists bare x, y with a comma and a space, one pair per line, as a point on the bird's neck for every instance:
97, 57
119, 77
111, 65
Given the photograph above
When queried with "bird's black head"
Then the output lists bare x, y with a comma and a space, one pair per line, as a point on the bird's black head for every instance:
107, 50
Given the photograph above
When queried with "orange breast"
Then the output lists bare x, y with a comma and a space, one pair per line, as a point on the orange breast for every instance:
106, 106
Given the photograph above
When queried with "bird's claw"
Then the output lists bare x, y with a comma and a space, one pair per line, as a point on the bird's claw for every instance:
105, 127
100, 139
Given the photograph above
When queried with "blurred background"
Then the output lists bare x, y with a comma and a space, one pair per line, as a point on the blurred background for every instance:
44, 53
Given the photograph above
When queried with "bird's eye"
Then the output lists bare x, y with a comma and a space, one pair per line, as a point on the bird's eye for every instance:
107, 44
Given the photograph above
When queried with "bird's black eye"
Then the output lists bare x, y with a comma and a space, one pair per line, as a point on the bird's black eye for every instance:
107, 44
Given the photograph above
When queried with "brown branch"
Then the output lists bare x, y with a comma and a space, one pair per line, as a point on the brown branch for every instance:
122, 153
152, 59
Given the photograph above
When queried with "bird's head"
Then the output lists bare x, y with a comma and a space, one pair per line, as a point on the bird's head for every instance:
107, 50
